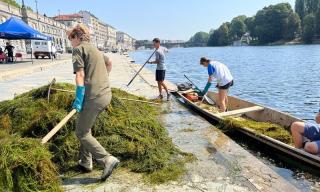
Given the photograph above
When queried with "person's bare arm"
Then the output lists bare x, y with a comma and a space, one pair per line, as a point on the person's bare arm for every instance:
108, 63
318, 118
210, 79
80, 78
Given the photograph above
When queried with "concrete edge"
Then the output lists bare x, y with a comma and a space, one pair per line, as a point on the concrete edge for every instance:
29, 70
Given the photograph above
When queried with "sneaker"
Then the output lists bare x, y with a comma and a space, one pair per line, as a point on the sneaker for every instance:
85, 168
168, 96
110, 164
160, 97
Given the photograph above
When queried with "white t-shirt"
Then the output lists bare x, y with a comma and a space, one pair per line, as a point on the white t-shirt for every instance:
220, 72
160, 57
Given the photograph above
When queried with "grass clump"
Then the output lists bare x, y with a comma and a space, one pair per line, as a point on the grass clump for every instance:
272, 130
129, 130
188, 130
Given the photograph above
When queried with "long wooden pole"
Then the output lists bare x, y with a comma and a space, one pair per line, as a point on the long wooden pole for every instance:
141, 69
58, 127
140, 101
134, 100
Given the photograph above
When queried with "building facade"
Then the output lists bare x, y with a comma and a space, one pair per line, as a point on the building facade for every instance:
102, 35
112, 37
125, 41
42, 23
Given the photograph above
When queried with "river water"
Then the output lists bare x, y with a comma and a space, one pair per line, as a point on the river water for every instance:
286, 78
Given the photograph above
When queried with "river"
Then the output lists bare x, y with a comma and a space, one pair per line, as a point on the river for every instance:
286, 78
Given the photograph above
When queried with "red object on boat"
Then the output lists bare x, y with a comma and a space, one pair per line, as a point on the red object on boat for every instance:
192, 96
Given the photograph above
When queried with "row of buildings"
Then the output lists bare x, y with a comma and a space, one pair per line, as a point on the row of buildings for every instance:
103, 35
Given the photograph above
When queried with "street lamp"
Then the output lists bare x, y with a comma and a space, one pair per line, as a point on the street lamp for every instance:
37, 13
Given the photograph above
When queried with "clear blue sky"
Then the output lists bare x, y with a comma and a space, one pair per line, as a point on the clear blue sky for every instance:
167, 19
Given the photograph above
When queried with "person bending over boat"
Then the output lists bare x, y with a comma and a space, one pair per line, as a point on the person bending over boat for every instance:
222, 74
310, 131
161, 67
93, 95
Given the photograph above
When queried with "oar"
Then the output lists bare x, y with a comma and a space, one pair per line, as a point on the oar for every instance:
141, 69
208, 100
191, 82
46, 138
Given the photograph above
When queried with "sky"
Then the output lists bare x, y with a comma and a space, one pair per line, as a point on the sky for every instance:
166, 19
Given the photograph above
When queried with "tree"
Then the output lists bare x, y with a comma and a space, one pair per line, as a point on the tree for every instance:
238, 27
300, 8
12, 2
317, 22
221, 36
199, 38
308, 28
250, 23
276, 22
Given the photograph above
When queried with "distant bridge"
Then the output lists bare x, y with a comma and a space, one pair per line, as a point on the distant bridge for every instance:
149, 45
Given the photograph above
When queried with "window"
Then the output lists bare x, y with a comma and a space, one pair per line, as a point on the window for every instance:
37, 43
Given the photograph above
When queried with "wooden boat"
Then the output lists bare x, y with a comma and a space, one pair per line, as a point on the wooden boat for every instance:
239, 107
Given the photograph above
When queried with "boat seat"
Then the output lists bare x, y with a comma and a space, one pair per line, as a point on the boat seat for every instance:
241, 111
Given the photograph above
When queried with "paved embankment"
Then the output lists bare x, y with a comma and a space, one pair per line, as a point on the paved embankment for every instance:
222, 164
26, 66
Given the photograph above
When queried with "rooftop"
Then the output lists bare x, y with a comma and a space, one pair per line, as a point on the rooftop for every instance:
68, 17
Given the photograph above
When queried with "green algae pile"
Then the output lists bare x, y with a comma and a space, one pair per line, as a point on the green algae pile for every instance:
129, 130
272, 130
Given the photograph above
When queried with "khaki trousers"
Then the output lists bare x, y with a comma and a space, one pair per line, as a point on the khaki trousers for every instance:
89, 146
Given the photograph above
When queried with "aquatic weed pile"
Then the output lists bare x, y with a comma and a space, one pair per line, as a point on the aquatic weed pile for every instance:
272, 130
26, 166
129, 130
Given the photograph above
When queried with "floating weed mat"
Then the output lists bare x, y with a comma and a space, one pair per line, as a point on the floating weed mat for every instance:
129, 130
272, 130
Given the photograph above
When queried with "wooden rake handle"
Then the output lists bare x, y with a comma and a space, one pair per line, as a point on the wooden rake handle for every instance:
46, 138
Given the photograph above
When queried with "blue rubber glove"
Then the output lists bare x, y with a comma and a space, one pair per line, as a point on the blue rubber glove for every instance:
206, 89
197, 90
78, 102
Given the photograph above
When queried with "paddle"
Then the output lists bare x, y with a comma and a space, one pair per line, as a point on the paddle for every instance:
208, 100
141, 68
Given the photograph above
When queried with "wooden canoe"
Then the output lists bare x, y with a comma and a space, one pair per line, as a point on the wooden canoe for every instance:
238, 107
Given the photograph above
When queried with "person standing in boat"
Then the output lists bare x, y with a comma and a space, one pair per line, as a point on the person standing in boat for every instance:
161, 67
93, 95
307, 135
222, 74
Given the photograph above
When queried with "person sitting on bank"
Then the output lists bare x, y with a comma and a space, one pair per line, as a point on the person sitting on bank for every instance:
9, 48
161, 67
222, 74
93, 95
307, 135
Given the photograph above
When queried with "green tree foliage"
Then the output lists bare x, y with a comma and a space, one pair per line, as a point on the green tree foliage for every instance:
308, 28
12, 2
309, 10
300, 8
273, 23
221, 36
276, 22
238, 27
199, 38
